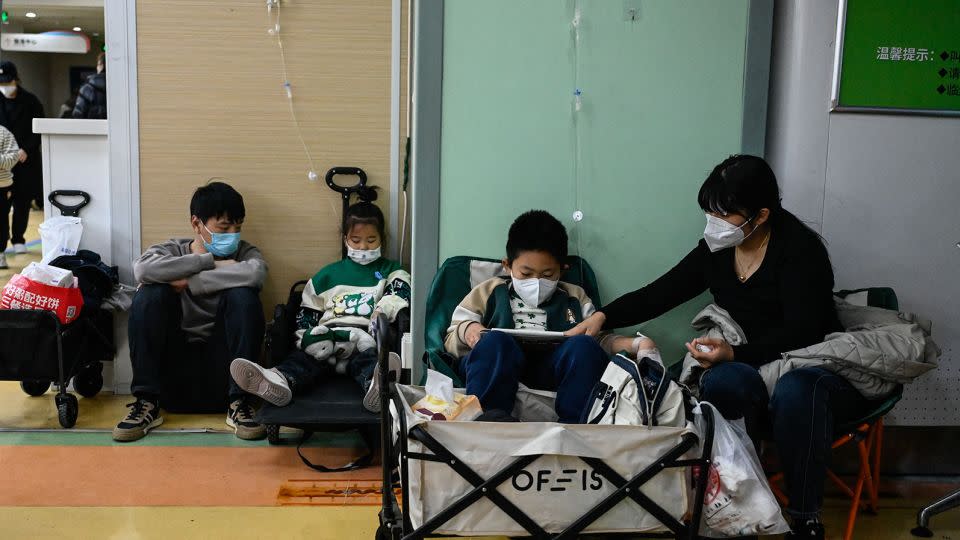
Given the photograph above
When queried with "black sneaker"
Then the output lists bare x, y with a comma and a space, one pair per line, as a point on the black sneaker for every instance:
144, 415
808, 530
240, 418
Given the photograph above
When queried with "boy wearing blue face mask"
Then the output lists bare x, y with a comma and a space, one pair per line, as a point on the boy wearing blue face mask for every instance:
532, 297
197, 308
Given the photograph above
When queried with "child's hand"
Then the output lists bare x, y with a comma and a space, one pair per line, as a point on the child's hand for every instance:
590, 326
21, 155
719, 351
473, 334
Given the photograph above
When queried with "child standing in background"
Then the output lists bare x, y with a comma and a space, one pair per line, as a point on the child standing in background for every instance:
9, 157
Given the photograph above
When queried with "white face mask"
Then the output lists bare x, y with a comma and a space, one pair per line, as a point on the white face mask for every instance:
363, 256
534, 292
720, 234
8, 91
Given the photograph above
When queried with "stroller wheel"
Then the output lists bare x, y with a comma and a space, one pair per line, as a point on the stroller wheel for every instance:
386, 533
89, 381
35, 387
273, 433
67, 410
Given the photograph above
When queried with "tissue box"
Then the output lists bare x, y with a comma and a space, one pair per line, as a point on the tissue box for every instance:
48, 275
463, 409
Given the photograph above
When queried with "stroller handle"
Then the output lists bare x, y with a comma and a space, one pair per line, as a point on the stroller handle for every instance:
65, 209
345, 191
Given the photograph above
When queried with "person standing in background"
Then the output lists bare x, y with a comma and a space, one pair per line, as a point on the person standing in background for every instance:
9, 157
18, 108
92, 98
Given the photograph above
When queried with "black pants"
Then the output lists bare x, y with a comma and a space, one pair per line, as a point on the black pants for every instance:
304, 371
807, 404
191, 377
19, 199
27, 183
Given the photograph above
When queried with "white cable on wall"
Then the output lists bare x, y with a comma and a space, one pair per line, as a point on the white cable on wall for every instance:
274, 29
577, 106
273, 17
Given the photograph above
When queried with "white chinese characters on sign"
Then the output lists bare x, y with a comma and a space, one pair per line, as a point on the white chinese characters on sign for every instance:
904, 54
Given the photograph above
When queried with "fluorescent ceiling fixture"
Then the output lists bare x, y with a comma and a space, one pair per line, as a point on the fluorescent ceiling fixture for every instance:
77, 29
31, 15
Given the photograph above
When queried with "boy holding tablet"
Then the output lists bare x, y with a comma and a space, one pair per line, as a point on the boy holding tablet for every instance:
531, 298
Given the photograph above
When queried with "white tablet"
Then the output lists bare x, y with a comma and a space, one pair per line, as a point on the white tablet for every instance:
540, 336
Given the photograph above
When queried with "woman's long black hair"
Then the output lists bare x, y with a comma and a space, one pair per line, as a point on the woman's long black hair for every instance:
740, 184
744, 184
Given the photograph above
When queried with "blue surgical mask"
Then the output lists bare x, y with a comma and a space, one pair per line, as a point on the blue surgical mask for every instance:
221, 244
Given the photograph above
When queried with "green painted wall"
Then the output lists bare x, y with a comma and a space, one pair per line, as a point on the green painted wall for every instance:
662, 104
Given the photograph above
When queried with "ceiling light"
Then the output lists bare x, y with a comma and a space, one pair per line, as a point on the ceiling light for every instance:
31, 15
77, 29
96, 34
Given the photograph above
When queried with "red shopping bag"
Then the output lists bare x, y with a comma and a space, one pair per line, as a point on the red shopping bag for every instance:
24, 293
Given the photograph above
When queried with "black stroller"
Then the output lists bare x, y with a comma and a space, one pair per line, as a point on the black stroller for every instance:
334, 404
37, 349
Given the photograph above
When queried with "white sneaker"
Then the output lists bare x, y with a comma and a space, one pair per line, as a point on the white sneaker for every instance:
269, 384
3, 261
371, 401
19, 249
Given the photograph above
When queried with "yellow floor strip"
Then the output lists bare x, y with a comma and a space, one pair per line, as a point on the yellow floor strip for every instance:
186, 523
316, 523
18, 410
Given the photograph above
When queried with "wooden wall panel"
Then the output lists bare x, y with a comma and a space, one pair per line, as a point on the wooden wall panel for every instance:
212, 105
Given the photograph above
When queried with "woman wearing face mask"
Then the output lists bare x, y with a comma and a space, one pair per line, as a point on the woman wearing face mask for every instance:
18, 108
338, 308
773, 275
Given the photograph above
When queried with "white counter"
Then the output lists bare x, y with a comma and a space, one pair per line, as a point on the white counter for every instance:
69, 126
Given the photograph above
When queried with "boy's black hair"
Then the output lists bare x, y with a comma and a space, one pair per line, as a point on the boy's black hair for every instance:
537, 230
365, 213
740, 184
217, 200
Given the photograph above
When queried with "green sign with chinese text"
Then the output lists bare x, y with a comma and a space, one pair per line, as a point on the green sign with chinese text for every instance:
900, 55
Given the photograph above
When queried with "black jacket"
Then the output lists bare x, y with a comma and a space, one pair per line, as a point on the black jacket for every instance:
17, 115
786, 304
92, 98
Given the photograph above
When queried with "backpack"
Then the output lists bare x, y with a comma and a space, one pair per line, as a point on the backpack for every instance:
636, 393
95, 279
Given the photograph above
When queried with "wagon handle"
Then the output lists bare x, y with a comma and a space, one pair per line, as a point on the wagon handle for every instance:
65, 209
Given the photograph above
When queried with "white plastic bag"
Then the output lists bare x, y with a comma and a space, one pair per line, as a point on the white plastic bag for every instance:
60, 235
49, 275
738, 499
